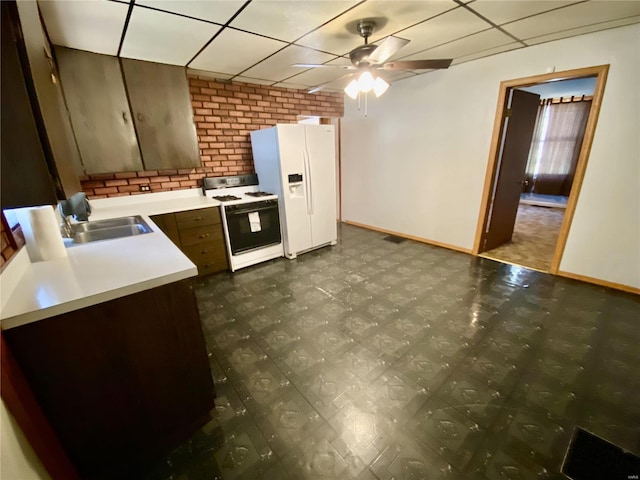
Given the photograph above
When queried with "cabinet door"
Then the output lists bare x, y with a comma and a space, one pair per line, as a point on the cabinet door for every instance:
25, 178
161, 107
99, 111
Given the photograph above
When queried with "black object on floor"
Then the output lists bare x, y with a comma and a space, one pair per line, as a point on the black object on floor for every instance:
394, 239
592, 457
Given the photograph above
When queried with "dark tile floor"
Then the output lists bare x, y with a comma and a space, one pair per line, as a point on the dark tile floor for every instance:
380, 360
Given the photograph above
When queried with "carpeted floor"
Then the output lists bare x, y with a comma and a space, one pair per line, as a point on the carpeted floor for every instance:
534, 238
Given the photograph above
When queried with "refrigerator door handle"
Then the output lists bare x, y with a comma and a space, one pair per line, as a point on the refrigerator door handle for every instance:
307, 191
310, 179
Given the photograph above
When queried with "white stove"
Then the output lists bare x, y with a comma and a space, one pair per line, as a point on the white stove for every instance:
250, 218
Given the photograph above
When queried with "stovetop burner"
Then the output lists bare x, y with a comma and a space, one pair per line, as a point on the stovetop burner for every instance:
226, 198
258, 194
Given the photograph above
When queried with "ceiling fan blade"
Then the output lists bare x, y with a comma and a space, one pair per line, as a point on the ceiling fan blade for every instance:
315, 65
418, 64
322, 86
387, 48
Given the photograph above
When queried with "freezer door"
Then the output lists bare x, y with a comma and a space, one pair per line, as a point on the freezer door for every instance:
295, 178
321, 155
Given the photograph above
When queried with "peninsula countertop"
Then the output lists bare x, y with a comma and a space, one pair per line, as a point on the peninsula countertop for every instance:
99, 271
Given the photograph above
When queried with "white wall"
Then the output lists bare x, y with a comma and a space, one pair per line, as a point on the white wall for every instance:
416, 165
17, 459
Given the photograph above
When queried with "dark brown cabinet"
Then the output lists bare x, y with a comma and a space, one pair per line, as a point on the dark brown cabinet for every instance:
99, 111
199, 235
57, 133
120, 382
26, 179
162, 113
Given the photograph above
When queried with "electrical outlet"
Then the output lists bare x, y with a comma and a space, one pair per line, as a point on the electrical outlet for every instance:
145, 188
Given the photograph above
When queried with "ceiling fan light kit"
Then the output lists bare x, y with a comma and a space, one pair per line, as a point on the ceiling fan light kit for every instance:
368, 57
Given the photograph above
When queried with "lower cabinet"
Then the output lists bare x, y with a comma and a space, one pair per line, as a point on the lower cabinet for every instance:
199, 235
122, 382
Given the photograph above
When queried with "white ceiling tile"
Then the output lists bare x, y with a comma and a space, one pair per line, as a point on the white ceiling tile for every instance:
316, 76
233, 51
339, 36
278, 67
219, 11
208, 75
288, 20
445, 28
296, 86
487, 53
466, 46
575, 16
95, 26
257, 81
583, 30
165, 38
503, 11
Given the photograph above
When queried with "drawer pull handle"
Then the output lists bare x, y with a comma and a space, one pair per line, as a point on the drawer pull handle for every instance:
204, 252
197, 219
207, 265
203, 235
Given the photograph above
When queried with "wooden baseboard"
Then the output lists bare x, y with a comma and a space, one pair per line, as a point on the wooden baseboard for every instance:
597, 281
410, 237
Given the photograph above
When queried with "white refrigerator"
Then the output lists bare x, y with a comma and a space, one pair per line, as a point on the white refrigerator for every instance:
298, 163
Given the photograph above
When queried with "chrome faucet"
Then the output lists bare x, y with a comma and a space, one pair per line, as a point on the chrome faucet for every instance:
66, 229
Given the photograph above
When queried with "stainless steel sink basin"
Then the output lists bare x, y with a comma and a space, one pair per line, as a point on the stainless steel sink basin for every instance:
109, 223
109, 229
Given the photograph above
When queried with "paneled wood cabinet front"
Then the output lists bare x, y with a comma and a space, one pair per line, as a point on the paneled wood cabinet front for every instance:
99, 111
161, 106
199, 235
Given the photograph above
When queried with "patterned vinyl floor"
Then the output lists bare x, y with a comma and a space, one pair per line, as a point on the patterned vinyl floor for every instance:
534, 238
375, 360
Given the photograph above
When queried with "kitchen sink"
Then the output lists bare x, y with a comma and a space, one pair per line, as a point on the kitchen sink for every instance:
109, 229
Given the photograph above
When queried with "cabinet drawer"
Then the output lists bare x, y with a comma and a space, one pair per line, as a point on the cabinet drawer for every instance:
202, 234
212, 266
204, 251
196, 218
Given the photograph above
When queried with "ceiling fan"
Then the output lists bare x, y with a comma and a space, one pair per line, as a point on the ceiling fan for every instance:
368, 57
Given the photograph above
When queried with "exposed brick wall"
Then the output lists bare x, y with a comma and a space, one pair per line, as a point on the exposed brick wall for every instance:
225, 114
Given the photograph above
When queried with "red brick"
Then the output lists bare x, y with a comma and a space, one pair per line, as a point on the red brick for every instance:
105, 191
159, 179
126, 175
170, 184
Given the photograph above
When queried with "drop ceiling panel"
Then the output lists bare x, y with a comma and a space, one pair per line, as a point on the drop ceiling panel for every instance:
90, 25
209, 75
278, 67
219, 11
466, 46
258, 81
339, 36
450, 26
316, 76
233, 51
487, 53
583, 30
503, 11
575, 16
165, 38
288, 20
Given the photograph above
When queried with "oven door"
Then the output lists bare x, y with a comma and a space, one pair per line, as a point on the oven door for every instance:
252, 225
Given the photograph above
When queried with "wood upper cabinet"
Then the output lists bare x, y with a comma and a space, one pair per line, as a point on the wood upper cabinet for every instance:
161, 107
99, 111
26, 180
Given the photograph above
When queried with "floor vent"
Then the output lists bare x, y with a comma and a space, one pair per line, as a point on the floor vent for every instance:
394, 239
589, 457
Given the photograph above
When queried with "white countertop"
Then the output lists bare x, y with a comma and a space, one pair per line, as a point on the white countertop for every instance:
96, 272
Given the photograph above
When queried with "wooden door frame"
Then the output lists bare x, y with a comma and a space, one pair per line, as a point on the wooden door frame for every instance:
600, 72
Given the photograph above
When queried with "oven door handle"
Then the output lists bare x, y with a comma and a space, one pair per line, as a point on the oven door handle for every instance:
251, 210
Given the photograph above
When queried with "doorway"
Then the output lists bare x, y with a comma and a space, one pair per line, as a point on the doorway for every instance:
516, 225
